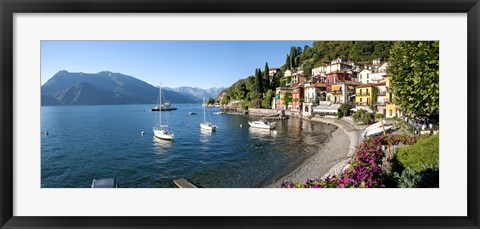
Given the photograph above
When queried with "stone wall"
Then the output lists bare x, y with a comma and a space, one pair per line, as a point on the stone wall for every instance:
264, 112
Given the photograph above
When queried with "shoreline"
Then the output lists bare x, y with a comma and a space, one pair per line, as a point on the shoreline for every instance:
332, 156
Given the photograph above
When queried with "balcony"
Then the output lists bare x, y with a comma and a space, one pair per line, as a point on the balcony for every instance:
362, 94
362, 104
382, 93
336, 92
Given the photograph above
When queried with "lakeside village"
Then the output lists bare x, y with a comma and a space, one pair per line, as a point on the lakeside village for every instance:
391, 102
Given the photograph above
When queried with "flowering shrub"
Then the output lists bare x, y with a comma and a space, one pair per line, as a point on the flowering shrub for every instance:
366, 166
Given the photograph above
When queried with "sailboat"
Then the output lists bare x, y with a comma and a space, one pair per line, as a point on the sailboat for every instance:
161, 131
206, 125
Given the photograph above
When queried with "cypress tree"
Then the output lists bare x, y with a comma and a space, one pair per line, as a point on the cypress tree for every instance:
266, 76
258, 80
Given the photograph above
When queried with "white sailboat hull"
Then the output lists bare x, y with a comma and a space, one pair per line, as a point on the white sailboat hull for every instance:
163, 134
208, 126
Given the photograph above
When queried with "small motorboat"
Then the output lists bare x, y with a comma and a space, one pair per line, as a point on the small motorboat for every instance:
192, 113
262, 124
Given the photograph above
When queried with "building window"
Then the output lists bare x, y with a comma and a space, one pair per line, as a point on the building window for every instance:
367, 76
390, 112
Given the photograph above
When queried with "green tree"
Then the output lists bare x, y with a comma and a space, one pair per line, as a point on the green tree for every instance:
259, 81
266, 77
287, 98
373, 106
362, 116
267, 101
414, 68
211, 101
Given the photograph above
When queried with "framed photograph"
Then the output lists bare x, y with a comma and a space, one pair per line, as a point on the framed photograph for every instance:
261, 114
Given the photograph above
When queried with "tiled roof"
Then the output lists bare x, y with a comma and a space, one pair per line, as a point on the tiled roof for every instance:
365, 85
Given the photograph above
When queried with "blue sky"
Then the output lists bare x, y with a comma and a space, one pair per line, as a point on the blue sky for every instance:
202, 64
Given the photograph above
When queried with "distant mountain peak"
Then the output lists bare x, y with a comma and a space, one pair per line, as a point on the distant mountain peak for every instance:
105, 87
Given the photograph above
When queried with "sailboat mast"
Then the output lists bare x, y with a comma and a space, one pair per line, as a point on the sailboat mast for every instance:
204, 118
160, 107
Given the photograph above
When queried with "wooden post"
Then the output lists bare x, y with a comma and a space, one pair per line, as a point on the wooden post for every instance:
385, 133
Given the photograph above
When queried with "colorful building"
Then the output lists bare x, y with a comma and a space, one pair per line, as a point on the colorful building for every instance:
392, 110
364, 95
297, 98
279, 95
381, 98
313, 94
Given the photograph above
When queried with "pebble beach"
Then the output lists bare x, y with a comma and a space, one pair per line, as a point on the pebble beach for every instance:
332, 156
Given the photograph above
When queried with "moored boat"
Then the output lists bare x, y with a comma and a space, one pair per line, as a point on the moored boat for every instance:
206, 125
262, 124
161, 131
164, 107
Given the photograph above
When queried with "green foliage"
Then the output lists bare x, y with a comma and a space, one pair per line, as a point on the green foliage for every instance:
256, 103
340, 114
374, 99
414, 66
267, 101
266, 78
378, 116
345, 109
258, 81
424, 153
362, 116
252, 95
287, 98
210, 101
409, 178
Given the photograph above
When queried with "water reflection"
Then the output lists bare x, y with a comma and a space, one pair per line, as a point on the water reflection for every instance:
259, 132
160, 145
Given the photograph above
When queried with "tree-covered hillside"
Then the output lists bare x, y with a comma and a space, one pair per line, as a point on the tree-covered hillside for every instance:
258, 90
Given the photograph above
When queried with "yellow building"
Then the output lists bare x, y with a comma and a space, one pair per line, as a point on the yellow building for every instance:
392, 110
363, 95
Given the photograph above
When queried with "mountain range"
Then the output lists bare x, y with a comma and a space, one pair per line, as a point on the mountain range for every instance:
76, 88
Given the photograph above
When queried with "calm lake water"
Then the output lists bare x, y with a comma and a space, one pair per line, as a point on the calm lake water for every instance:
93, 142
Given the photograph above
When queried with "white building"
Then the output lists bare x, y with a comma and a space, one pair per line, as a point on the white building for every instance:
273, 71
383, 67
287, 73
364, 76
378, 77
381, 98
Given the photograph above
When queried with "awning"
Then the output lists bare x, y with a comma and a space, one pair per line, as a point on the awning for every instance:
350, 87
336, 88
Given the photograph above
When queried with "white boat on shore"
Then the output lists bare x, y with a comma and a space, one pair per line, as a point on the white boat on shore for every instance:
376, 129
263, 124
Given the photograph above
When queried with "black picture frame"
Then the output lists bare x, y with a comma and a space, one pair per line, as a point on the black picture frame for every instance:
10, 7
